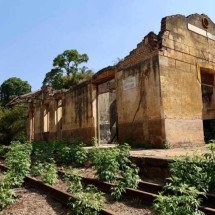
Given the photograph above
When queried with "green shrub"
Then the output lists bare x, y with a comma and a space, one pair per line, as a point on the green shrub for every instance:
89, 202
63, 153
133, 144
210, 166
166, 145
118, 190
49, 173
18, 161
12, 124
94, 142
131, 177
190, 171
3, 150
6, 194
113, 165
190, 178
73, 178
43, 151
184, 202
37, 169
106, 165
197, 171
78, 154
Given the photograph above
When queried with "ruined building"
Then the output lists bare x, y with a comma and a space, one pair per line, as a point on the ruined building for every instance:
162, 91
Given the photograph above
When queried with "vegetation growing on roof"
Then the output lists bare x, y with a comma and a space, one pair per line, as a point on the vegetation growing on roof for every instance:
67, 70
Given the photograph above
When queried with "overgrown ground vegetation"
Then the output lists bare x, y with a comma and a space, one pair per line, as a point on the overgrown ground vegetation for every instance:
191, 177
18, 160
42, 158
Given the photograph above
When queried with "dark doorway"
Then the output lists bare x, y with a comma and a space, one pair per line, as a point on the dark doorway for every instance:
107, 114
209, 129
208, 101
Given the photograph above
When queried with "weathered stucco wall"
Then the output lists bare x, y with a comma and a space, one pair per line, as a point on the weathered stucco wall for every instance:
182, 55
158, 88
138, 95
66, 114
78, 116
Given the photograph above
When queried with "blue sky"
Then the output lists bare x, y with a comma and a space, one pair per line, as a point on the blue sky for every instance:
34, 32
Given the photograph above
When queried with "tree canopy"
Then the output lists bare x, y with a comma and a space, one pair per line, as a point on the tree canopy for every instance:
67, 70
13, 87
12, 124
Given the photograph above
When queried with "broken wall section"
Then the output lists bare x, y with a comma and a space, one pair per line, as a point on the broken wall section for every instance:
184, 53
138, 95
63, 114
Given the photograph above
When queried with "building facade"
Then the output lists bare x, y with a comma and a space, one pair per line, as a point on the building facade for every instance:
162, 91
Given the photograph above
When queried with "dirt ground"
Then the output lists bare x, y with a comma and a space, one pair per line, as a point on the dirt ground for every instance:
33, 202
170, 153
163, 153
124, 207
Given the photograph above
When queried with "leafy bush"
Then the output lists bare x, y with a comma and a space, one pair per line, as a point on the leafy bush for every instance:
131, 177
18, 161
63, 153
49, 173
148, 145
74, 180
166, 144
12, 124
6, 194
183, 203
118, 190
60, 151
37, 168
190, 178
106, 165
43, 151
94, 142
197, 171
3, 150
89, 202
43, 161
210, 167
78, 154
133, 144
113, 165
190, 171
